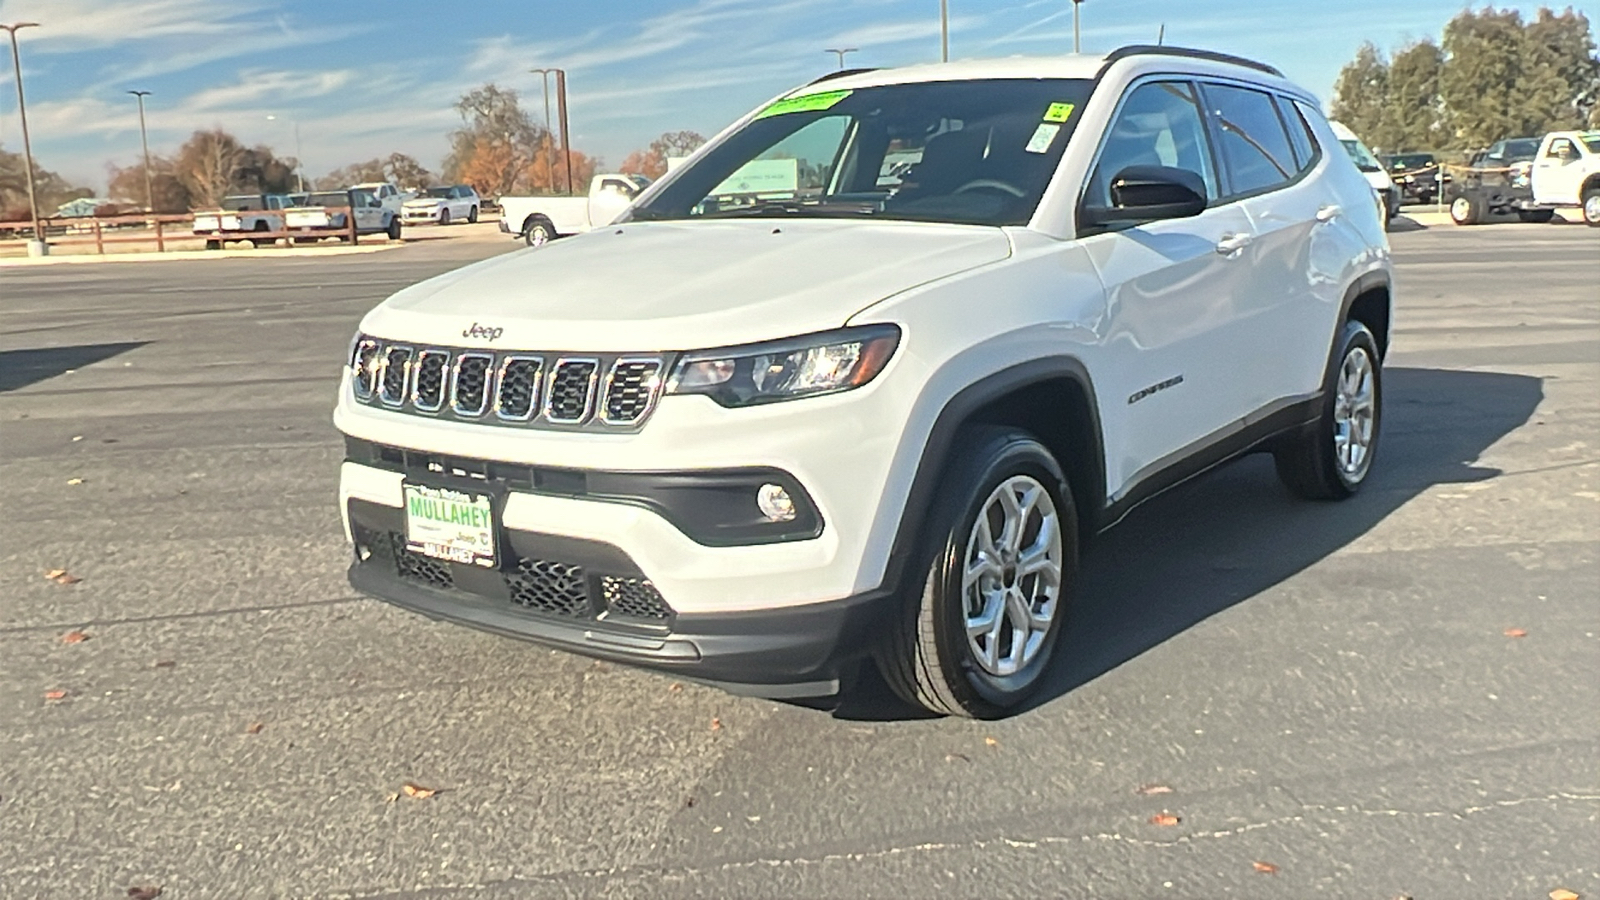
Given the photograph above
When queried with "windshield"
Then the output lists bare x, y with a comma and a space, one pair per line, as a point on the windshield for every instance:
440, 192
974, 152
1518, 150
1411, 160
1358, 151
1592, 141
336, 198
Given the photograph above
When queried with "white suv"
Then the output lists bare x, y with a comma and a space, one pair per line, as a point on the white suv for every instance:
858, 379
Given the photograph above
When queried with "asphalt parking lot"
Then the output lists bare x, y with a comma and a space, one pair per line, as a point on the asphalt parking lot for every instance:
1395, 696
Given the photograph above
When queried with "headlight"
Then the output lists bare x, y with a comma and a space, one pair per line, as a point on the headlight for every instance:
785, 370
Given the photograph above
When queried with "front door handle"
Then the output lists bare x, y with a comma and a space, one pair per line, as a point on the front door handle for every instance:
1233, 243
1329, 213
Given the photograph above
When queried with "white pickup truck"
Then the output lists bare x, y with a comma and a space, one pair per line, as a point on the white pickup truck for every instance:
323, 213
539, 220
239, 216
1564, 173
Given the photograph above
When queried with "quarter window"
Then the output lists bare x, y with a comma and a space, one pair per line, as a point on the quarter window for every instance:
1159, 125
1305, 152
1255, 147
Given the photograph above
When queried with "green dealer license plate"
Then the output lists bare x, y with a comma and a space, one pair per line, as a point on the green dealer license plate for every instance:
447, 524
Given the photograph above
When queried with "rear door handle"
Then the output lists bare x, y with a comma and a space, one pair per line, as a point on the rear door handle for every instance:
1233, 243
1329, 213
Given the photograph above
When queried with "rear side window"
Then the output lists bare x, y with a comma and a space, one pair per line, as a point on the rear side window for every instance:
1255, 147
1305, 145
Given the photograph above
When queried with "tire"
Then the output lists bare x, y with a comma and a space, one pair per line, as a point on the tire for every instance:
1331, 458
257, 242
928, 657
1536, 216
213, 245
538, 231
472, 216
1466, 210
1591, 207
393, 231
444, 216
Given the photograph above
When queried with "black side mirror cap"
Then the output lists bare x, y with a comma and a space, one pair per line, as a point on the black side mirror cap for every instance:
1141, 194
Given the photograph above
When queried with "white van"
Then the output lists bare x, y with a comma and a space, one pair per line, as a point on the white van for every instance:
1382, 184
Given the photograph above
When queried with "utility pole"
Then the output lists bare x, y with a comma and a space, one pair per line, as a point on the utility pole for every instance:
1077, 43
841, 52
549, 136
37, 246
944, 30
144, 141
566, 143
299, 165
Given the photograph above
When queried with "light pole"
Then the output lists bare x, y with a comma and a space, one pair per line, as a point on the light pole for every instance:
144, 141
841, 52
1077, 44
549, 136
37, 246
299, 165
944, 30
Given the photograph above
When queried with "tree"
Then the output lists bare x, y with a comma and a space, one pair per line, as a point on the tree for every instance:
50, 189
128, 186
206, 164
1412, 115
355, 173
652, 162
406, 172
497, 144
1361, 93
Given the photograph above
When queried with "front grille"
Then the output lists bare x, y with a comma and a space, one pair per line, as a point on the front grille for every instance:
604, 392
633, 597
630, 390
416, 567
551, 587
571, 390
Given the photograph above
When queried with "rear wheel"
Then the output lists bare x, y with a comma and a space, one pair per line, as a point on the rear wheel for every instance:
472, 216
258, 241
1466, 210
1537, 216
538, 232
213, 245
978, 637
1591, 207
1330, 458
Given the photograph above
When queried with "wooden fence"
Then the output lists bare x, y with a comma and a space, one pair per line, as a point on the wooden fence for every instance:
165, 228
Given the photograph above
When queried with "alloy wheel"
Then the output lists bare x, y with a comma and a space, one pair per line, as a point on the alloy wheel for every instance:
1354, 413
1011, 578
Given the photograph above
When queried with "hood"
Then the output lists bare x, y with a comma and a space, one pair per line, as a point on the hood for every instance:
424, 201
682, 285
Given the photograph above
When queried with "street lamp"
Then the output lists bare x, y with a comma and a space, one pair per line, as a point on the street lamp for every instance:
37, 246
944, 30
841, 52
1077, 45
549, 136
299, 164
144, 141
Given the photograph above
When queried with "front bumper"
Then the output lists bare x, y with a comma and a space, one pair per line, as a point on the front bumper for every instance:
575, 604
418, 216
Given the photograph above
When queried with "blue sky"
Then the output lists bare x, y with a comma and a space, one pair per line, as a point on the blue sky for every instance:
364, 78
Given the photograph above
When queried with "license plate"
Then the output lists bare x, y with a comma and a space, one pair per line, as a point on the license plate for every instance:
449, 524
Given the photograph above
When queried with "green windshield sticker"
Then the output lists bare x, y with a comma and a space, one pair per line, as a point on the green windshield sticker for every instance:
1042, 137
1059, 112
807, 103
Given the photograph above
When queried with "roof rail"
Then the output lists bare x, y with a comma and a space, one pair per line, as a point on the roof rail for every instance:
1153, 50
840, 74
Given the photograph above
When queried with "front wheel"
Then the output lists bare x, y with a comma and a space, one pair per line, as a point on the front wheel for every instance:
472, 216
394, 229
1466, 210
538, 233
1330, 458
1536, 216
1591, 207
978, 637
444, 217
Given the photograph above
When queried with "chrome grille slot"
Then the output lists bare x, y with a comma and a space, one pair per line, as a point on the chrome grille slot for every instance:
469, 384
427, 391
570, 397
631, 390
395, 374
364, 368
517, 393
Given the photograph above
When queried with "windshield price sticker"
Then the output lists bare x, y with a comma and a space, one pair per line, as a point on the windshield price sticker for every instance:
808, 103
1059, 112
1042, 137
452, 525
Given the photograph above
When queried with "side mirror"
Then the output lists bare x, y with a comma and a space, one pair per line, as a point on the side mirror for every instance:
1141, 194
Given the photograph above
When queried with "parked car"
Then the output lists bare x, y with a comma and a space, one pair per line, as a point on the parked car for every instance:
239, 216
443, 205
322, 214
804, 407
1560, 170
1382, 185
1417, 175
539, 220
389, 196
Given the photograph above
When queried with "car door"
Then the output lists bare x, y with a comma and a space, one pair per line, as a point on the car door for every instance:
1284, 291
1559, 172
1170, 288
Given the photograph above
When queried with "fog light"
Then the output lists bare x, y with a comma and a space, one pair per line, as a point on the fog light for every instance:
775, 503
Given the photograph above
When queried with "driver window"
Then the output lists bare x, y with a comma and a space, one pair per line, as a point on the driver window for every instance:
1561, 148
1159, 125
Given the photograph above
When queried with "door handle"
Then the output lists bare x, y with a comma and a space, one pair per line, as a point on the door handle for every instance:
1329, 213
1233, 243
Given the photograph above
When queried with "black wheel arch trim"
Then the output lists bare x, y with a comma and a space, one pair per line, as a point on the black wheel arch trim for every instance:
1364, 284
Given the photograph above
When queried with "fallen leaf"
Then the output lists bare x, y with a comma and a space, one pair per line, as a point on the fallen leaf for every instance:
144, 892
62, 576
74, 637
391, 798
1516, 632
55, 695
1164, 819
74, 481
418, 791
68, 579
952, 757
1150, 789
675, 687
716, 724
165, 663
689, 802
1562, 894
991, 742
53, 574
254, 728
1265, 868
77, 437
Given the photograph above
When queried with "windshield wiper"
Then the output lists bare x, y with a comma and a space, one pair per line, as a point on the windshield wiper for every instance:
820, 209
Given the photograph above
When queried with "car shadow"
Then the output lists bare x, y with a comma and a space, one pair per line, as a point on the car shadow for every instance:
20, 368
1233, 533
